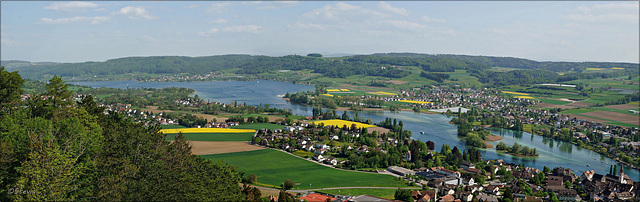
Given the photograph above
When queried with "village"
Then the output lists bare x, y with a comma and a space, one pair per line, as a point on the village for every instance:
483, 180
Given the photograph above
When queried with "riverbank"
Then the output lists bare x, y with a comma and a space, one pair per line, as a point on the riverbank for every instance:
514, 154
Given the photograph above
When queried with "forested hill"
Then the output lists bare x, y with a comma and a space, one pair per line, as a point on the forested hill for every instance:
149, 65
336, 67
518, 63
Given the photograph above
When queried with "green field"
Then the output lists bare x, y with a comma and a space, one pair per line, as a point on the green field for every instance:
382, 193
273, 167
624, 111
214, 136
605, 83
557, 102
258, 126
576, 111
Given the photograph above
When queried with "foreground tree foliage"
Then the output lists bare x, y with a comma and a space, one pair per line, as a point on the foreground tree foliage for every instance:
53, 149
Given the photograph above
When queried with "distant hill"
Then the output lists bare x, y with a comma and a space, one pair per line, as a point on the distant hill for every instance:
519, 63
336, 67
13, 64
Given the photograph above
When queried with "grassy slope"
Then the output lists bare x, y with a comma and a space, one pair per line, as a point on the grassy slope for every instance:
273, 167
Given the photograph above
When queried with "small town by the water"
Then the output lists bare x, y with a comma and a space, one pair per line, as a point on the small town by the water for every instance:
320, 101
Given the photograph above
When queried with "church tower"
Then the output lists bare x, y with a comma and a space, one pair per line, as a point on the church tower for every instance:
621, 177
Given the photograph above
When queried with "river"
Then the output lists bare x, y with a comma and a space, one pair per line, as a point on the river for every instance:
436, 127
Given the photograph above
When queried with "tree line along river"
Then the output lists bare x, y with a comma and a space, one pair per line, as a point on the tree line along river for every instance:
436, 127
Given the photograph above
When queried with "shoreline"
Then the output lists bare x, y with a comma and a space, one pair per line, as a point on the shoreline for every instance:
518, 155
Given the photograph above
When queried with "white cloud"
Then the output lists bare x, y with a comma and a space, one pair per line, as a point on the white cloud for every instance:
430, 19
606, 13
276, 4
389, 8
343, 12
71, 6
306, 26
148, 38
405, 25
92, 20
194, 6
218, 7
252, 29
208, 32
220, 21
135, 13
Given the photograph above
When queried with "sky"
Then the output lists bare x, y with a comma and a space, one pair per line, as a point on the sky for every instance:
78, 31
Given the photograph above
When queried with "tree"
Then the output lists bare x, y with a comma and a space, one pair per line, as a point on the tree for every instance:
508, 194
288, 184
431, 145
58, 90
553, 197
253, 194
285, 197
10, 87
403, 195
317, 55
252, 178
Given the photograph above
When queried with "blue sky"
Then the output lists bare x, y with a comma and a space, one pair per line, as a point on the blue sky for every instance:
74, 31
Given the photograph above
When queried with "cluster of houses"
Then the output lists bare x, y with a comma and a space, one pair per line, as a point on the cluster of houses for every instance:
609, 187
182, 77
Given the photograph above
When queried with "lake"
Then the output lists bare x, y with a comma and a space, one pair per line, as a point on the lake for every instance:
435, 126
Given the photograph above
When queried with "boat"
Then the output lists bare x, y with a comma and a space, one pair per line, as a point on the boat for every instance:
421, 132
588, 165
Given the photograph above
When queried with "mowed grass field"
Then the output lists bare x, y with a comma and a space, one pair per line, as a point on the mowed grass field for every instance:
555, 102
272, 167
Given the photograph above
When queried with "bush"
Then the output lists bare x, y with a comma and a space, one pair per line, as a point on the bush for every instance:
252, 178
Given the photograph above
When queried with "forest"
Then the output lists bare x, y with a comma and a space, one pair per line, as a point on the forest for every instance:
56, 149
388, 65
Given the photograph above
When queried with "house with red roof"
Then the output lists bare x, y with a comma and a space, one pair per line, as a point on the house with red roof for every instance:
315, 197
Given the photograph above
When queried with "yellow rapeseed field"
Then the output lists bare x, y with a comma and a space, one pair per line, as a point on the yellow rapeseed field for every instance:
327, 95
206, 130
509, 92
525, 97
617, 68
414, 102
385, 93
344, 90
340, 123
595, 69
333, 90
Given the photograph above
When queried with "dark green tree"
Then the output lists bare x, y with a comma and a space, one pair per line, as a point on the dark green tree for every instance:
10, 88
403, 195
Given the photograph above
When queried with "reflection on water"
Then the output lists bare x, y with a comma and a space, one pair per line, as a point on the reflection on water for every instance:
566, 147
